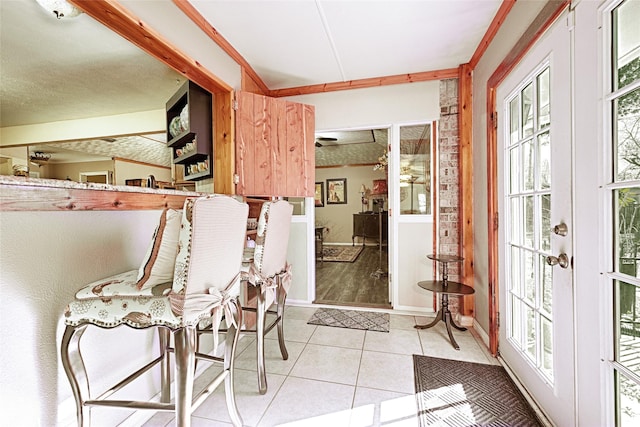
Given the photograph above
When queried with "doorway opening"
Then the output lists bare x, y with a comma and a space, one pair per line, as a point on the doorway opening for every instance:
351, 218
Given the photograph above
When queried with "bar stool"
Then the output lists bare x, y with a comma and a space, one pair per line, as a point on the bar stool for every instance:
205, 285
270, 275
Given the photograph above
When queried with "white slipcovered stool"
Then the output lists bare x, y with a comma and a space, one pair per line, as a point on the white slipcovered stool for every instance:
172, 294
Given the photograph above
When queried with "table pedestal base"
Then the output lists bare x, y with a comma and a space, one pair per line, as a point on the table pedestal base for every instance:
444, 314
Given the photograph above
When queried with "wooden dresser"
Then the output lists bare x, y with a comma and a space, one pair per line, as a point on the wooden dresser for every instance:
370, 225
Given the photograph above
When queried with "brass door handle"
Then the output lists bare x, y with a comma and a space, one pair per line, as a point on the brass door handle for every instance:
562, 260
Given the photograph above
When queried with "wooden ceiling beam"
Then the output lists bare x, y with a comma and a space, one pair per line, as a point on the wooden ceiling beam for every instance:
115, 17
495, 25
197, 18
447, 73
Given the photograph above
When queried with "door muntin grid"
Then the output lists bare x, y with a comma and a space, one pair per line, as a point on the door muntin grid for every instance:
528, 207
623, 191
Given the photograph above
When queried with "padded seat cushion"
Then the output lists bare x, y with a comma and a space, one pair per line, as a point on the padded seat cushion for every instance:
116, 300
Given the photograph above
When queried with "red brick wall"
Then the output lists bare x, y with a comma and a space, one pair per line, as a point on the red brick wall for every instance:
449, 180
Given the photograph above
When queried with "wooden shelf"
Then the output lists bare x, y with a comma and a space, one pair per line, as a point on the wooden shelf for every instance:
197, 102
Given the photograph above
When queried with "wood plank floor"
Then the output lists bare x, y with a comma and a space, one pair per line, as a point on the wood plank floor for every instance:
352, 283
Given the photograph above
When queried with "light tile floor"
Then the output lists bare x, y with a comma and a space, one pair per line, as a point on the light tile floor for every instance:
333, 377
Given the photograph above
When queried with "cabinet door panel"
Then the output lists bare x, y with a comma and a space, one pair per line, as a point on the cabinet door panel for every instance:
280, 169
275, 147
245, 142
262, 164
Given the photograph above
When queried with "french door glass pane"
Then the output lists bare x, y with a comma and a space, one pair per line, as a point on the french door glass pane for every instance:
528, 221
626, 111
543, 99
515, 170
515, 271
415, 169
544, 161
626, 56
516, 321
529, 277
527, 110
516, 220
546, 275
531, 332
628, 403
545, 226
547, 347
626, 234
514, 121
528, 165
628, 315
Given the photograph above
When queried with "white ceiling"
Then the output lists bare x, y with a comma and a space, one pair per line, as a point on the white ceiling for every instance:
75, 68
295, 43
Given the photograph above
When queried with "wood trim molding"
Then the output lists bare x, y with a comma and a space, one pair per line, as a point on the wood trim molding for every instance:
137, 162
197, 18
115, 17
495, 25
25, 197
465, 124
448, 73
547, 16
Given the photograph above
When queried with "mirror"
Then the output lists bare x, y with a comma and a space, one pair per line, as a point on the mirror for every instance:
74, 74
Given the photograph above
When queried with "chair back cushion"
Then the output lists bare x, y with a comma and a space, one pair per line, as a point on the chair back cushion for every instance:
159, 261
272, 239
211, 244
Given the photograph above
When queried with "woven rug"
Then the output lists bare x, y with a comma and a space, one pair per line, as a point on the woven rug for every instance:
351, 319
341, 253
454, 393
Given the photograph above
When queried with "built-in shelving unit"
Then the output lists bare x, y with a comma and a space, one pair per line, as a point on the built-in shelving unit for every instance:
189, 130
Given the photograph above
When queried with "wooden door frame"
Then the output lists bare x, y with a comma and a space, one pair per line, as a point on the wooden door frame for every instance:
547, 16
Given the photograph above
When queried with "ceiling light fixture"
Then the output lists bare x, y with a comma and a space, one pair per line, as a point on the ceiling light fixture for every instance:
60, 8
40, 158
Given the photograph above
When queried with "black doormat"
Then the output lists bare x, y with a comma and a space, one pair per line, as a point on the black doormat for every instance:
454, 393
351, 319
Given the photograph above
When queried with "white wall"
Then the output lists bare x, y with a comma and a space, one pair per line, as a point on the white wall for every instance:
131, 170
374, 107
514, 25
339, 218
45, 258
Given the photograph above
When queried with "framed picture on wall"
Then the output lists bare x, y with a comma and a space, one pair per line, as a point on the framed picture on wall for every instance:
337, 191
319, 194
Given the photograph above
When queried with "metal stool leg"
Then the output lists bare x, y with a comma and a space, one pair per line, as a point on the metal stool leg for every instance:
76, 371
185, 347
281, 298
165, 366
231, 340
260, 327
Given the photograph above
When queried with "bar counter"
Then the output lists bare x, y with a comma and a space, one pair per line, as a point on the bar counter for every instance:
33, 194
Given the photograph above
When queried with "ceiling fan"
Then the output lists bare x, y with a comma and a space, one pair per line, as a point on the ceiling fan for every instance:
322, 139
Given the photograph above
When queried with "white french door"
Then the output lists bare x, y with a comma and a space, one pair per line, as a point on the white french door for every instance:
535, 208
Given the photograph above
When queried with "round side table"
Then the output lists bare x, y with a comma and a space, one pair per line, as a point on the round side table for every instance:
445, 287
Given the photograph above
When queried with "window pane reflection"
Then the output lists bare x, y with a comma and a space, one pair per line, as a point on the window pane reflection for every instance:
543, 99
415, 169
626, 42
527, 110
627, 231
626, 135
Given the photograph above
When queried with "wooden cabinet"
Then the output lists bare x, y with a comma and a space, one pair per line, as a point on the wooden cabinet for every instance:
275, 152
371, 225
189, 130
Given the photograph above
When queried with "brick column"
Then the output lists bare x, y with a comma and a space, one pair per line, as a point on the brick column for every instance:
448, 164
